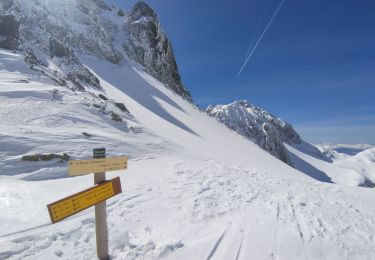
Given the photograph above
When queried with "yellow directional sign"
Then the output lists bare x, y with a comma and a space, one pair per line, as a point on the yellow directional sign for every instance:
71, 205
81, 167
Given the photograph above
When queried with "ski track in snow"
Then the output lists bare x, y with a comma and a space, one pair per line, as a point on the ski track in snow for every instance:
248, 209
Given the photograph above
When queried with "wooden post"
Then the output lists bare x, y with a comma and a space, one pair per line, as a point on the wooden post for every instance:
101, 214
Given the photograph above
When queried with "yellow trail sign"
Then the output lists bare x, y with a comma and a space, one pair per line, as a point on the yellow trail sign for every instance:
73, 204
81, 167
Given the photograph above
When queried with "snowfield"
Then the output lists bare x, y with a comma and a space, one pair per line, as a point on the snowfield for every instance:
194, 189
352, 170
340, 151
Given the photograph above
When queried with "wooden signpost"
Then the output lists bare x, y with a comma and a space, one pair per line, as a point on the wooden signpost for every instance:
96, 195
73, 204
101, 228
81, 167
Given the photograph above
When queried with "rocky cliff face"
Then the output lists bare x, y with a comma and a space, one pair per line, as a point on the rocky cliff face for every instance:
65, 30
9, 34
256, 124
148, 45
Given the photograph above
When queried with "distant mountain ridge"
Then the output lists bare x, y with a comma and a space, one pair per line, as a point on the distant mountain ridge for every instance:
67, 29
343, 164
340, 151
257, 125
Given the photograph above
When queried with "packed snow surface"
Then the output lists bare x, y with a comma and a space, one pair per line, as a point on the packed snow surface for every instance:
194, 189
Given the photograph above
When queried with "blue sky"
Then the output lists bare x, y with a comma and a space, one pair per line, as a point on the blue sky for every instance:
315, 68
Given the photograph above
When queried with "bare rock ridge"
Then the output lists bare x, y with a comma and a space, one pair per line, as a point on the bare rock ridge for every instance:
148, 45
257, 125
65, 30
9, 34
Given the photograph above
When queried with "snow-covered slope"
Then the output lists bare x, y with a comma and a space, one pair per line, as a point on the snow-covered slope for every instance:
31, 108
194, 188
63, 30
281, 140
350, 165
340, 151
263, 128
259, 126
363, 162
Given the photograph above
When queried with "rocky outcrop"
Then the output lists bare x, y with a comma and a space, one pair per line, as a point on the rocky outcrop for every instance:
31, 59
148, 45
6, 4
256, 124
85, 76
9, 32
57, 49
66, 30
122, 107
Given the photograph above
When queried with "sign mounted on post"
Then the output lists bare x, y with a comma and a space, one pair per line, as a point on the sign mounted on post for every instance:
81, 167
96, 195
98, 153
73, 204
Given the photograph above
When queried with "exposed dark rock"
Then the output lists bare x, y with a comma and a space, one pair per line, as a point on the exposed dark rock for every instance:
87, 134
85, 75
115, 117
84, 9
7, 4
55, 94
82, 74
45, 157
61, 82
9, 32
30, 57
256, 124
58, 49
122, 107
141, 9
31, 158
121, 13
103, 5
62, 33
148, 45
103, 97
367, 184
78, 86
58, 81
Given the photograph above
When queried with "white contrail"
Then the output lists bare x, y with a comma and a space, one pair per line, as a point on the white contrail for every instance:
256, 32
261, 37
252, 42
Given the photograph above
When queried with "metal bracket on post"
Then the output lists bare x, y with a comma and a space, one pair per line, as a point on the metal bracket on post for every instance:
101, 213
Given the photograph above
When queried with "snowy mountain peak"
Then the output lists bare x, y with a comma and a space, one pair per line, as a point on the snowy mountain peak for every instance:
148, 45
66, 30
194, 189
258, 125
141, 9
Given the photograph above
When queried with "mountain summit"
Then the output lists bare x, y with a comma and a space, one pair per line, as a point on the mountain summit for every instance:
67, 30
258, 125
76, 75
148, 45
